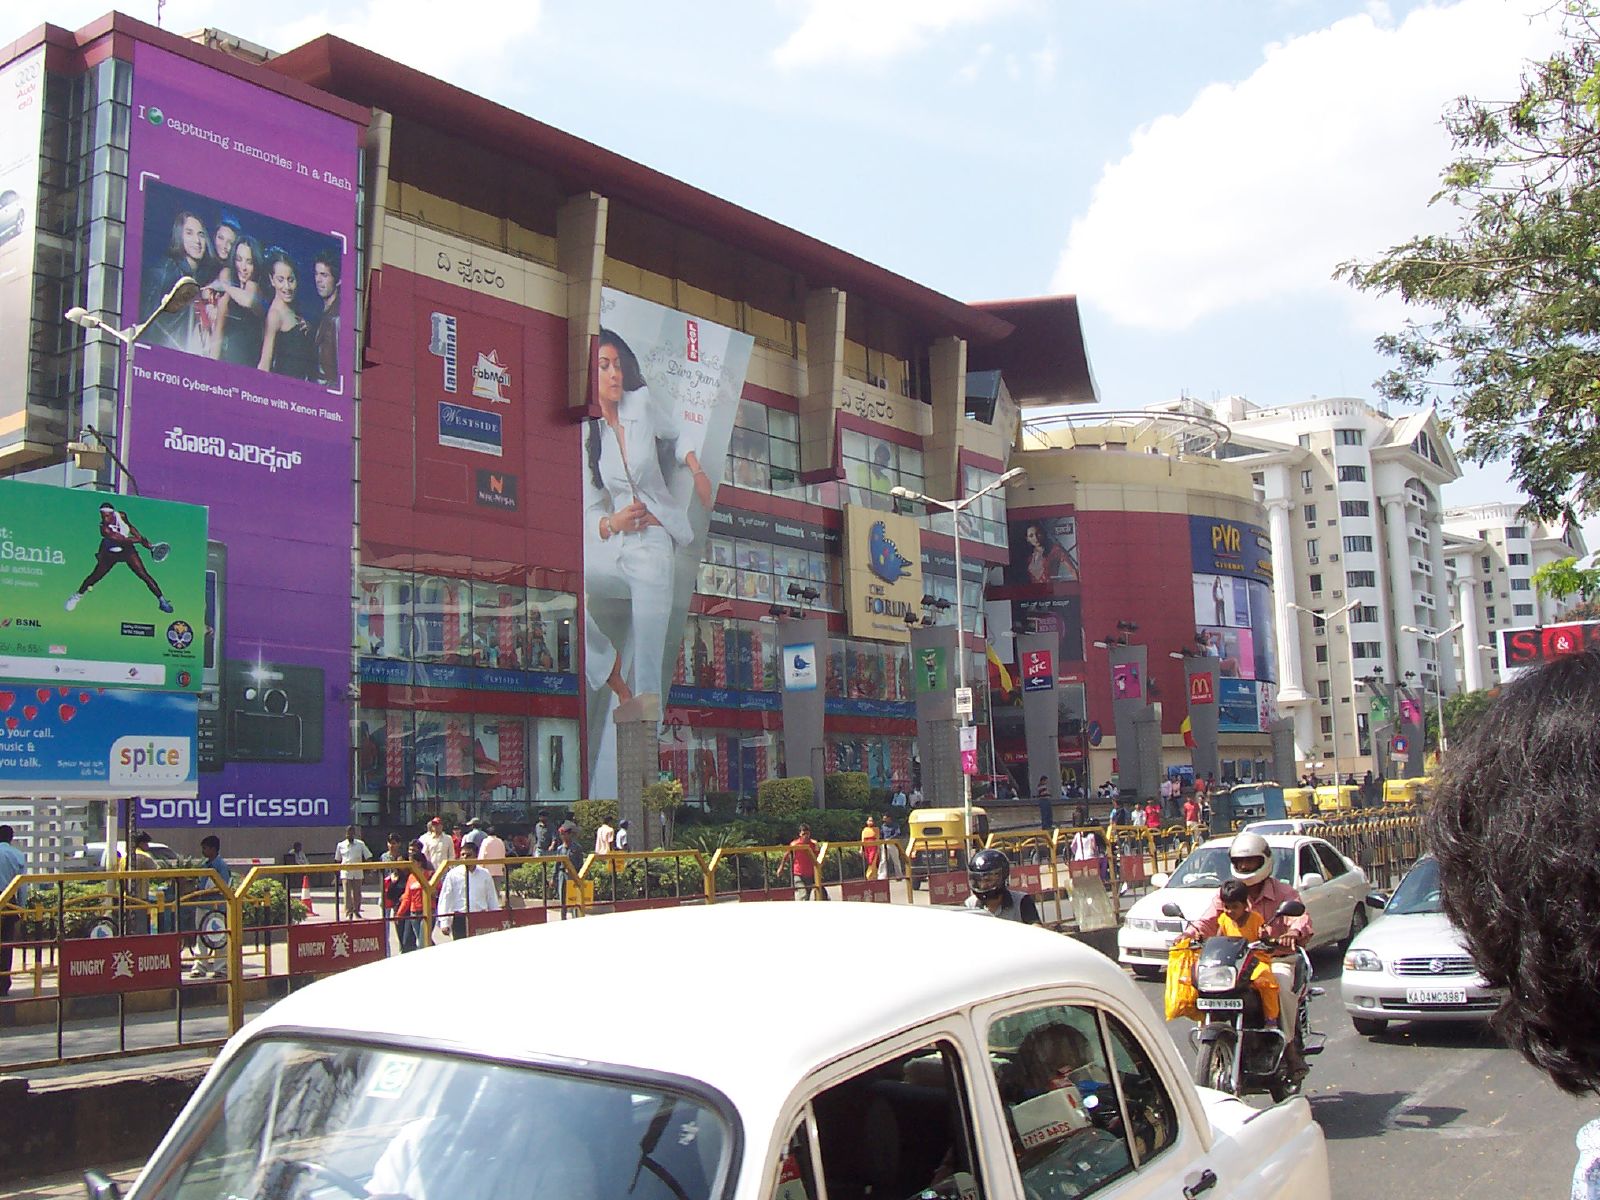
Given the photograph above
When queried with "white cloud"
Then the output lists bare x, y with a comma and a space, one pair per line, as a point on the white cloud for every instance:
1328, 151
856, 32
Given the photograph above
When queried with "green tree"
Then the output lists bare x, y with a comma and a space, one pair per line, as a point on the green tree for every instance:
1507, 340
1461, 713
1564, 579
664, 799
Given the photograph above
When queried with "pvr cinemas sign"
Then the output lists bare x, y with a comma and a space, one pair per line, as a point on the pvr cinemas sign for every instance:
1530, 647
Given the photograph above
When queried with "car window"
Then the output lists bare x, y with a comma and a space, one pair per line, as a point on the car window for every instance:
1308, 862
1332, 865
796, 1178
1208, 866
1152, 1120
899, 1128
1061, 1102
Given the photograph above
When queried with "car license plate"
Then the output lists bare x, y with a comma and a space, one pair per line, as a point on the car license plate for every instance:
1436, 995
1220, 1002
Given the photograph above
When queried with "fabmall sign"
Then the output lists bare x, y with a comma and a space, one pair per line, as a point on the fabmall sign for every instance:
883, 573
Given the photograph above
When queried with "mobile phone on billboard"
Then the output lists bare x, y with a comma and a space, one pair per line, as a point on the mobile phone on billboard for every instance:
210, 755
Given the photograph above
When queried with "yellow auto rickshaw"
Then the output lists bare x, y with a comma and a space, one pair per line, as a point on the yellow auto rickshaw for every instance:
1340, 798
1406, 791
1297, 801
935, 835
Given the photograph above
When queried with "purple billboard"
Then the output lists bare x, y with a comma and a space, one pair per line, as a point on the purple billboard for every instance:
242, 402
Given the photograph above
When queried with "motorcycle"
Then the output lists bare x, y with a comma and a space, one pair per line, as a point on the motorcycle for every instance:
1239, 1049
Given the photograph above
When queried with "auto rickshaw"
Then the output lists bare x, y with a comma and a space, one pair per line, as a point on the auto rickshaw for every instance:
1245, 802
1331, 798
936, 837
1297, 801
1406, 791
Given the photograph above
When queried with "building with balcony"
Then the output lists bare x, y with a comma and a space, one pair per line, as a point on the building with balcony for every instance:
1354, 506
1491, 553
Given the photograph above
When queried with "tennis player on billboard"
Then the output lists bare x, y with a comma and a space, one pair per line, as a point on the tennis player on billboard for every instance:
666, 392
119, 543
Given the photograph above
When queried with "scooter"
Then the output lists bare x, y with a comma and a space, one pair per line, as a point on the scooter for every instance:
1239, 1048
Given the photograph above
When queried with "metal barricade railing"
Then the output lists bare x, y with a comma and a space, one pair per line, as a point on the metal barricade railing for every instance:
629, 879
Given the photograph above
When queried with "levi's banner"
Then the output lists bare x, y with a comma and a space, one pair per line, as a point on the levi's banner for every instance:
243, 402
98, 588
319, 949
99, 966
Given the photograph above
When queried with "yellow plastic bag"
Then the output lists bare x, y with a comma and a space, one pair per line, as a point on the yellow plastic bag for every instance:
1181, 994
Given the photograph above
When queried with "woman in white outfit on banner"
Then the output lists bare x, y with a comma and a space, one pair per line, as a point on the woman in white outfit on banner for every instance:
633, 525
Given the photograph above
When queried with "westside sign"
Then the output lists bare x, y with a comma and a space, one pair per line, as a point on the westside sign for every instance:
320, 949
103, 966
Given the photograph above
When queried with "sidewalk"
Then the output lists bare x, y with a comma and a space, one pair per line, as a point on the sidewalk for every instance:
70, 1186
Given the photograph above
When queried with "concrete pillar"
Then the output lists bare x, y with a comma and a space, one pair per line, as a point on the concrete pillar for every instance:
1471, 630
1041, 718
947, 378
1400, 589
1439, 588
803, 643
825, 314
1202, 714
581, 256
638, 759
1291, 674
933, 673
1124, 711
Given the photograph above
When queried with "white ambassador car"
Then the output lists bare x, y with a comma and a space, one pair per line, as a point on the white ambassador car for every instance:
1411, 963
771, 1069
1334, 890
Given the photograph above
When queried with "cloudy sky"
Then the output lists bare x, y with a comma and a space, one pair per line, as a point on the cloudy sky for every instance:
1192, 169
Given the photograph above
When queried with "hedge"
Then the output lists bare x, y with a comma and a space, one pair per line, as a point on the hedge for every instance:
847, 789
785, 799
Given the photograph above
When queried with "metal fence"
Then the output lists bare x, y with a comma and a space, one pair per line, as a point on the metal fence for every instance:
105, 964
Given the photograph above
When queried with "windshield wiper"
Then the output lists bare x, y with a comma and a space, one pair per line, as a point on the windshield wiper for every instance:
647, 1145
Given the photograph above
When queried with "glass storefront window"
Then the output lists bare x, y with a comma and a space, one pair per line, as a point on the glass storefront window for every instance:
718, 760
719, 652
862, 670
552, 625
383, 622
887, 761
749, 570
441, 612
874, 466
436, 618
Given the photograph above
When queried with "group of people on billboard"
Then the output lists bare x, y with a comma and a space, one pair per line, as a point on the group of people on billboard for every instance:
254, 308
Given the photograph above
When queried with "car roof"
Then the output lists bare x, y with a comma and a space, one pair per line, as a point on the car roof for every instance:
745, 997
1281, 840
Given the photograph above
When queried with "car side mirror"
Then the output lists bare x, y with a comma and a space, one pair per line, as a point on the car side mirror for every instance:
1290, 908
1312, 880
1159, 879
1377, 900
1171, 910
97, 1185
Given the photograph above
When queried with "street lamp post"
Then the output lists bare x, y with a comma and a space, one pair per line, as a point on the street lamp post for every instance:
179, 295
955, 509
1326, 618
1438, 684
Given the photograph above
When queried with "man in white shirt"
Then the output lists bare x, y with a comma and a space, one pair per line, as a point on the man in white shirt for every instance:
604, 837
621, 842
467, 887
349, 852
436, 844
492, 847
916, 797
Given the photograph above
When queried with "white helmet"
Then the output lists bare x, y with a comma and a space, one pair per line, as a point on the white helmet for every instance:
1251, 858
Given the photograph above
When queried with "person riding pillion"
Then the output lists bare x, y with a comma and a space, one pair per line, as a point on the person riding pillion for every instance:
1250, 859
987, 875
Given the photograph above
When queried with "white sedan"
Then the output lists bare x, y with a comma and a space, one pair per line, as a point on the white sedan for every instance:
1412, 964
987, 1060
1334, 890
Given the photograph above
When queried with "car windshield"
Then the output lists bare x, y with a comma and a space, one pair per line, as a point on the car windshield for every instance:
1208, 867
297, 1120
1418, 891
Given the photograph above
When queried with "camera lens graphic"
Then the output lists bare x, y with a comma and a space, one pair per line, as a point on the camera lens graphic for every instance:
275, 701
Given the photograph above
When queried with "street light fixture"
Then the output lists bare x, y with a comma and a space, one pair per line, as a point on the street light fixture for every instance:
179, 296
955, 508
1325, 618
1438, 684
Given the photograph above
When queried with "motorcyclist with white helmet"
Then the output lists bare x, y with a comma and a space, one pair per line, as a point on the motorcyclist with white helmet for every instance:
1250, 859
987, 875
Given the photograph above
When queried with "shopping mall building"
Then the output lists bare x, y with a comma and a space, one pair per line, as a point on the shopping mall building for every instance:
436, 577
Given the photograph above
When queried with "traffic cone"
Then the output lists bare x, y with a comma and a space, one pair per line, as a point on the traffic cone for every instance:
305, 895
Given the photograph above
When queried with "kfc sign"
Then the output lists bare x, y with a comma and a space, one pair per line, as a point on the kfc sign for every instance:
1529, 647
1202, 688
1038, 672
99, 966
321, 949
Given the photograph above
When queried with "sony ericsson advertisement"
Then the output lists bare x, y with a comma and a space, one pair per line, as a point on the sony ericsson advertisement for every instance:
665, 393
242, 402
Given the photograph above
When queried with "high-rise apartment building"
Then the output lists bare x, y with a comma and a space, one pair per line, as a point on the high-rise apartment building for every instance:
1358, 555
1491, 553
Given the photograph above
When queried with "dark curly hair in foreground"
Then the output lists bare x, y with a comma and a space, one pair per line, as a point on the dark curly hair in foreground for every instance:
1515, 823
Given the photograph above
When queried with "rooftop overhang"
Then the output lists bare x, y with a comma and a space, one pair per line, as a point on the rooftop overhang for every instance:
1044, 359
357, 74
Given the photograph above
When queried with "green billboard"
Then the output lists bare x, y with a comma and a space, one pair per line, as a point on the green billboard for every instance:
98, 588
